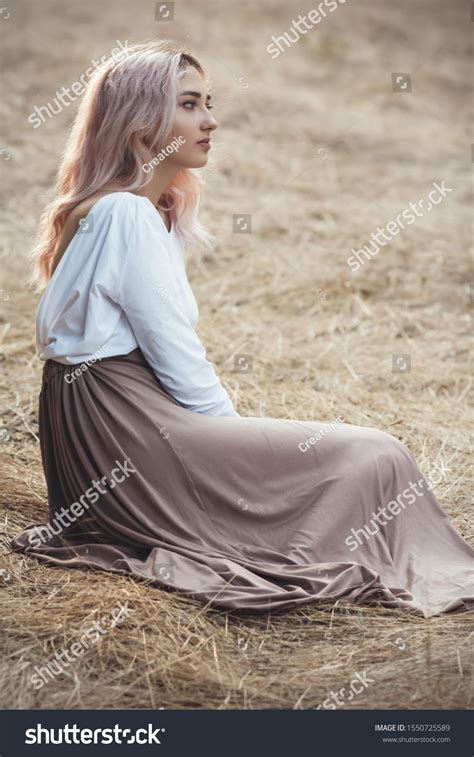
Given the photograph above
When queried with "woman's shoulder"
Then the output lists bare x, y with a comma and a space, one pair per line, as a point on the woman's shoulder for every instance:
98, 204
86, 216
102, 203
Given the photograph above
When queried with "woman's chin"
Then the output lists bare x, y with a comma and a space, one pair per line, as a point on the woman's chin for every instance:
201, 161
196, 160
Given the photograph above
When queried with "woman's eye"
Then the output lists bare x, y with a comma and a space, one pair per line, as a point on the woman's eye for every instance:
193, 103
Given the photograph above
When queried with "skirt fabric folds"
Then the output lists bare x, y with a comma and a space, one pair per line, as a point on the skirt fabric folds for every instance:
239, 512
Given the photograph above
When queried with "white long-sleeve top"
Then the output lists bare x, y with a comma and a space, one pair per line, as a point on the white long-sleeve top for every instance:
122, 283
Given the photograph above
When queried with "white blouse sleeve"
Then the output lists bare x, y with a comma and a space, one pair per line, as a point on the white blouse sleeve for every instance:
150, 299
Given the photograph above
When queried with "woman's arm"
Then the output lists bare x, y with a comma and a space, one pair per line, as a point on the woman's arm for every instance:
149, 296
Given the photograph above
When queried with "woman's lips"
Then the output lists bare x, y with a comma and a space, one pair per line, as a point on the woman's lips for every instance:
204, 145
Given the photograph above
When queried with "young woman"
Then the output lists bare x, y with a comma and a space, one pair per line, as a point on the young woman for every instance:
150, 470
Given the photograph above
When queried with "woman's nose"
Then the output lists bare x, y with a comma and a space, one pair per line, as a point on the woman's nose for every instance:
210, 122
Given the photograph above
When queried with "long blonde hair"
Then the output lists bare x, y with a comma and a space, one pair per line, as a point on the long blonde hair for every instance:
129, 107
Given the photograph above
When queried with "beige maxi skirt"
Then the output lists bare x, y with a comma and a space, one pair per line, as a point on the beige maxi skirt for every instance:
244, 513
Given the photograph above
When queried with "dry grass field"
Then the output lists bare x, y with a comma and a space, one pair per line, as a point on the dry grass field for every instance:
319, 150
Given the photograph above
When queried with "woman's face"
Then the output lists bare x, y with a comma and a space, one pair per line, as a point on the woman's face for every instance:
194, 121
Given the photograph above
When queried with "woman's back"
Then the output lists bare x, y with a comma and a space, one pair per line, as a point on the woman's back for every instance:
72, 226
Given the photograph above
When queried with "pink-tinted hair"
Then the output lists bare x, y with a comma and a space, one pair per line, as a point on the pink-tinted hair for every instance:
127, 110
